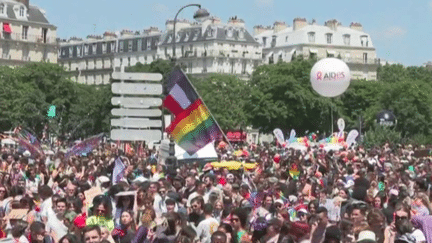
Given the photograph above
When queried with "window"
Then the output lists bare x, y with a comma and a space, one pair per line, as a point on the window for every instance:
121, 46
139, 44
232, 66
311, 37
86, 50
169, 38
211, 32
78, 51
197, 32
273, 43
176, 40
229, 33
244, 67
44, 35
104, 47
130, 45
364, 40
129, 62
182, 51
264, 41
94, 49
148, 44
329, 38
186, 37
21, 11
286, 38
113, 45
241, 34
346, 39
70, 51
25, 32
365, 58
2, 8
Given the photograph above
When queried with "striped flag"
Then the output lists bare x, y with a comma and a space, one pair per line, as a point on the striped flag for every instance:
85, 146
28, 141
118, 172
193, 126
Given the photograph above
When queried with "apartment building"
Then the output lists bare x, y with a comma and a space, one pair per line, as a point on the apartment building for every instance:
26, 36
211, 46
89, 61
137, 47
282, 42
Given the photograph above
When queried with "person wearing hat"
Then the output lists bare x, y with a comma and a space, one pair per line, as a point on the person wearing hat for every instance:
366, 236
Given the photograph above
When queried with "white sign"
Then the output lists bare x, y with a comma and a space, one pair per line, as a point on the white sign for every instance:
136, 88
137, 76
136, 102
137, 112
330, 77
279, 135
352, 135
341, 124
135, 123
149, 136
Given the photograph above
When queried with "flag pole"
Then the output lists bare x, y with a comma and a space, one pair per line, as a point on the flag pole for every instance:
199, 96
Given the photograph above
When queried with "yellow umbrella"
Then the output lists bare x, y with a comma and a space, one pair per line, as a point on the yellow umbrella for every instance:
234, 165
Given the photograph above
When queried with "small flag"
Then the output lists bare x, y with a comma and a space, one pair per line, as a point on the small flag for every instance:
118, 172
294, 172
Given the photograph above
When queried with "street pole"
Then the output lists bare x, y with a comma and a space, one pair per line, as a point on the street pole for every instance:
201, 13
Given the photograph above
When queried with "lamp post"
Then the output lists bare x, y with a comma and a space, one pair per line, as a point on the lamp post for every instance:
199, 15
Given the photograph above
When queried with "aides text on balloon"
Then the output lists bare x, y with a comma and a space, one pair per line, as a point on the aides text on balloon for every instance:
330, 77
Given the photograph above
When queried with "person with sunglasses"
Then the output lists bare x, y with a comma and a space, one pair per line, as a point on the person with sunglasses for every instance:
401, 229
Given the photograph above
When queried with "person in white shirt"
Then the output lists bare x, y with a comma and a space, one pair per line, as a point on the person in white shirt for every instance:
208, 226
55, 225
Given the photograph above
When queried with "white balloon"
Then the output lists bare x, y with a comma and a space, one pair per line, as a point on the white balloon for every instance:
330, 77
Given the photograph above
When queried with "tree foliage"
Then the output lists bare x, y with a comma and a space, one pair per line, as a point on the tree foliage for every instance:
27, 92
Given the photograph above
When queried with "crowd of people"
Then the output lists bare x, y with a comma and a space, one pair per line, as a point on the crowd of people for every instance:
377, 195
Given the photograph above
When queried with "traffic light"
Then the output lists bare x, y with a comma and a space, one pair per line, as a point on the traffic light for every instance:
52, 111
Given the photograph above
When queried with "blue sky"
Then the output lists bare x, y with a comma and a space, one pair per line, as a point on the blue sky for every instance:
400, 30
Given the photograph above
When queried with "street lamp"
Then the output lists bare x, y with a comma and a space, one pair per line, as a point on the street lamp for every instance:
199, 15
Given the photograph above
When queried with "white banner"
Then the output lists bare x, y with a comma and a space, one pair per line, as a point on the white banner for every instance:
341, 124
292, 134
279, 135
352, 135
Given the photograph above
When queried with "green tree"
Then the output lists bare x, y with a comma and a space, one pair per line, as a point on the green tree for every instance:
226, 96
282, 96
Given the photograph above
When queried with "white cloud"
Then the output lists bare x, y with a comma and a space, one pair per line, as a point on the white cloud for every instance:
390, 33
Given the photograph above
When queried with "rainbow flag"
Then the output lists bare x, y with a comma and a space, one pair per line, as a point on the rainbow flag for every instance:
85, 146
193, 126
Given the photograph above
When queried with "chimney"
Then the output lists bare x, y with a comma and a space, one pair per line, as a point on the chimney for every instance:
94, 37
126, 33
109, 35
299, 23
180, 24
25, 2
332, 24
258, 29
153, 30
279, 25
234, 21
74, 39
356, 26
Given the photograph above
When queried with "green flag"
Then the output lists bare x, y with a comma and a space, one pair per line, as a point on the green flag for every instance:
52, 111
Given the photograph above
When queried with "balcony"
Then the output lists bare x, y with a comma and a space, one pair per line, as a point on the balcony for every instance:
27, 38
370, 61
